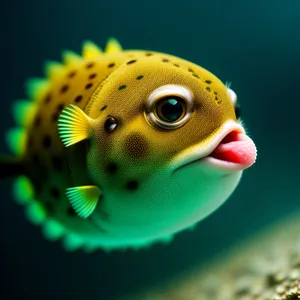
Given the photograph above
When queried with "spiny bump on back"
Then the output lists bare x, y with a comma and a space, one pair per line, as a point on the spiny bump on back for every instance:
16, 139
71, 58
113, 46
90, 50
36, 87
23, 190
54, 69
23, 112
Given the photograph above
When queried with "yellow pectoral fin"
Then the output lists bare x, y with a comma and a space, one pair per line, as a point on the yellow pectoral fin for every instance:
83, 199
73, 125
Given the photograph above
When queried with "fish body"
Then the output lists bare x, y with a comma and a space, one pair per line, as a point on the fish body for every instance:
124, 148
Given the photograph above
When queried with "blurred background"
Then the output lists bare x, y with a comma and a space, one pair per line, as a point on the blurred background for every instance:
254, 44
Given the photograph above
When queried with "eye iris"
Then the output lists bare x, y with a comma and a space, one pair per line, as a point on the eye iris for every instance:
170, 109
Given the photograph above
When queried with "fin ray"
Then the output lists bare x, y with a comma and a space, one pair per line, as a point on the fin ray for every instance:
73, 125
83, 199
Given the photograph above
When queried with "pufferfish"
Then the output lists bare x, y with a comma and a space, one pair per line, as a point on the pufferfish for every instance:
123, 148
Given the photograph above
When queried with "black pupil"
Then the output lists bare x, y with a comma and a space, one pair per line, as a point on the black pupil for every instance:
170, 109
110, 124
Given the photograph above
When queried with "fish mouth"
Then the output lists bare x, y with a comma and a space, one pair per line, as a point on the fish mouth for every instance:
231, 150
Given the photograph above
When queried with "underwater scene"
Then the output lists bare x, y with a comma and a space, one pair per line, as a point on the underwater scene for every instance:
149, 150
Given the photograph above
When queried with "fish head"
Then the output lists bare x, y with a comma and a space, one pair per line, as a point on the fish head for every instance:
167, 143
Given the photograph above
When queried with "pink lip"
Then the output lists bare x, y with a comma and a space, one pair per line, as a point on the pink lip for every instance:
235, 152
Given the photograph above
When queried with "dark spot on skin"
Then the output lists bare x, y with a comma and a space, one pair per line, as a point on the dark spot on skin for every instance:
111, 65
132, 185
47, 141
208, 81
78, 99
37, 121
175, 65
37, 187
64, 88
47, 98
90, 65
208, 89
72, 74
89, 85
191, 70
30, 141
55, 117
122, 87
71, 211
165, 60
140, 77
216, 98
131, 62
149, 54
60, 107
195, 75
92, 76
104, 107
219, 101
57, 163
215, 93
136, 146
55, 193
35, 159
41, 172
49, 206
111, 168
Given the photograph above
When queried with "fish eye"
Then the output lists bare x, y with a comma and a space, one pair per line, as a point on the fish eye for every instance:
110, 124
169, 106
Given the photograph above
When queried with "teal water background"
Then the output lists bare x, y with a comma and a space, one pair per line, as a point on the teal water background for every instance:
253, 44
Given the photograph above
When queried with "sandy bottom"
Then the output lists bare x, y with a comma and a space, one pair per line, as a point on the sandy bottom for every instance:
265, 267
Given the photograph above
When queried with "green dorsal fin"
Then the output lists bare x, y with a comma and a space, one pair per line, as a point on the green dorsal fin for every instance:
71, 58
54, 69
16, 140
73, 125
83, 199
113, 46
35, 87
91, 50
23, 111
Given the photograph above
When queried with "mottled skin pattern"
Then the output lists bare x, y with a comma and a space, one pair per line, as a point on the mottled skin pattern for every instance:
133, 164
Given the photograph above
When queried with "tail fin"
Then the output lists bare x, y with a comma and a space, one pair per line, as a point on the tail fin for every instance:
10, 167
